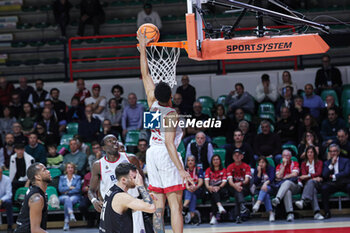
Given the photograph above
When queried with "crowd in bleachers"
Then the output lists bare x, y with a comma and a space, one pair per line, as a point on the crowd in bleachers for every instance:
281, 143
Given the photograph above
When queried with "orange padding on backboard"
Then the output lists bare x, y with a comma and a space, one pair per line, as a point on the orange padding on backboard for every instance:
259, 47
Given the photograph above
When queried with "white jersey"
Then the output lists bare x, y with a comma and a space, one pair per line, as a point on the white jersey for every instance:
158, 135
108, 179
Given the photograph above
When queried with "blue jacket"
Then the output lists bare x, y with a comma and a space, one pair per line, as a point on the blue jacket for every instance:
270, 171
343, 167
63, 187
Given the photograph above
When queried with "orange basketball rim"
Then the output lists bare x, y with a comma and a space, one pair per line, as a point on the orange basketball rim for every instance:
246, 47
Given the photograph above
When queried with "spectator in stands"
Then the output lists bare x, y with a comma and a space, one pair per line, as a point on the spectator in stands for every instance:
248, 136
266, 91
192, 192
96, 153
17, 133
343, 143
336, 172
240, 99
328, 77
215, 182
19, 163
142, 148
27, 118
98, 103
201, 150
69, 187
51, 124
82, 93
85, 201
238, 116
239, 144
91, 12
286, 181
60, 108
299, 111
264, 179
61, 10
220, 115
38, 96
311, 178
308, 124
187, 91
35, 149
266, 143
147, 15
286, 127
54, 159
89, 128
286, 82
309, 139
198, 116
239, 176
117, 92
178, 102
15, 105
6, 89
329, 103
312, 101
132, 115
6, 199
40, 130
107, 129
6, 121
114, 114
7, 151
75, 112
75, 156
24, 90
330, 127
286, 100
82, 147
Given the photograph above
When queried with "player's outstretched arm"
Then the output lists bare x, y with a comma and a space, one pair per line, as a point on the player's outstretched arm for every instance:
146, 77
94, 185
36, 205
170, 133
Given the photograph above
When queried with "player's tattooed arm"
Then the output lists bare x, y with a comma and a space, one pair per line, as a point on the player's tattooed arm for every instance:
158, 223
35, 198
145, 195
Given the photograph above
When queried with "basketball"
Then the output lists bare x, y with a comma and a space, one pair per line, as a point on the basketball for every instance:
150, 30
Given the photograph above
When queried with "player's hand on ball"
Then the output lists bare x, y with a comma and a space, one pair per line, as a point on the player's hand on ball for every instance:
186, 177
98, 205
143, 40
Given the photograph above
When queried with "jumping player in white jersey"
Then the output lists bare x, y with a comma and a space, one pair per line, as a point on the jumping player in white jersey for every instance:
103, 178
165, 169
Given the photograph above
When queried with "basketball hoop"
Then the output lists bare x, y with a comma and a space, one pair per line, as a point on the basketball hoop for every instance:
162, 63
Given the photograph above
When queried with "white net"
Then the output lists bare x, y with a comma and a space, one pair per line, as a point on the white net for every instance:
162, 64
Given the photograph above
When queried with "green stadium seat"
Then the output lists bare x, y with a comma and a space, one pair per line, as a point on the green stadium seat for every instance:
326, 93
169, 18
18, 44
130, 20
222, 153
345, 95
206, 110
219, 141
59, 147
346, 109
45, 8
206, 101
294, 159
114, 21
221, 99
20, 194
29, 8
23, 25
291, 147
266, 108
66, 138
72, 128
6, 172
37, 43
42, 25
132, 138
52, 191
339, 196
248, 117
55, 172
93, 41
182, 150
144, 103
55, 42
271, 161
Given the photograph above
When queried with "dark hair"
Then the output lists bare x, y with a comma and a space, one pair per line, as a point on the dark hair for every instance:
51, 145
94, 143
147, 5
32, 111
143, 140
7, 107
237, 130
123, 169
19, 146
343, 130
54, 89
110, 100
314, 150
162, 92
265, 77
32, 171
239, 84
303, 140
34, 134
42, 124
290, 87
120, 88
75, 98
332, 109
48, 100
221, 106
263, 158
39, 79
313, 121
211, 163
326, 55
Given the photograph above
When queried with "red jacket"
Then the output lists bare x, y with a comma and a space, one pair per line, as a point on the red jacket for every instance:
318, 169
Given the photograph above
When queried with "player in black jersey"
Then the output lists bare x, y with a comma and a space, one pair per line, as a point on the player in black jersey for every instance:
33, 215
116, 213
